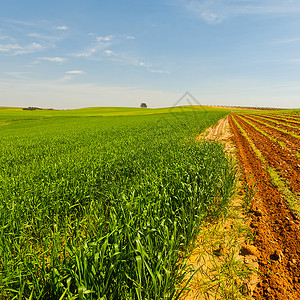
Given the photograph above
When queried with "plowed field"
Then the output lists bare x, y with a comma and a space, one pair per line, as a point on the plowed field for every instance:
268, 148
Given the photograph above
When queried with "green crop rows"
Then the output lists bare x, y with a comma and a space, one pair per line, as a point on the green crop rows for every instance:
104, 207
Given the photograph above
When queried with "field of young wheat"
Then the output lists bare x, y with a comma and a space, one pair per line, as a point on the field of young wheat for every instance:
102, 205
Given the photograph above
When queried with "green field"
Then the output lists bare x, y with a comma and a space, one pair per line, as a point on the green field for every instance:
100, 203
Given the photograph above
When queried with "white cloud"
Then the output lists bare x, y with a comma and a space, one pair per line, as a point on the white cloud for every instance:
109, 52
70, 75
135, 61
101, 49
38, 36
212, 18
53, 59
61, 27
143, 64
99, 44
216, 11
31, 48
104, 38
24, 38
75, 72
86, 53
50, 39
16, 49
9, 47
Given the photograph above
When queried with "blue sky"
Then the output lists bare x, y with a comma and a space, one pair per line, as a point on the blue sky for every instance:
71, 53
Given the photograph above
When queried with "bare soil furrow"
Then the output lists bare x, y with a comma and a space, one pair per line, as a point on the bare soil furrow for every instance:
278, 158
291, 136
287, 116
276, 228
291, 122
291, 144
286, 127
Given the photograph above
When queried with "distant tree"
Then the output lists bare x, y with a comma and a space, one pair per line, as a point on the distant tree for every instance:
143, 105
32, 108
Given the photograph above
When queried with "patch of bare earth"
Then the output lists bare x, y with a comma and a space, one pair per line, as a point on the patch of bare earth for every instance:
275, 225
223, 263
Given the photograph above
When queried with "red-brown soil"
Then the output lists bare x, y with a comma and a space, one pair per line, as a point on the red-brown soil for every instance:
275, 226
289, 121
294, 129
289, 117
291, 143
277, 157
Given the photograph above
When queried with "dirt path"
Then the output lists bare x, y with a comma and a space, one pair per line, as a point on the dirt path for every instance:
221, 132
276, 227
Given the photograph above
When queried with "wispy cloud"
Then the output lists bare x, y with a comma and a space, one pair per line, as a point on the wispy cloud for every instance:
101, 49
53, 59
143, 64
21, 37
17, 22
31, 48
75, 72
70, 75
9, 47
38, 36
109, 52
135, 61
16, 49
61, 27
104, 38
99, 43
46, 38
216, 11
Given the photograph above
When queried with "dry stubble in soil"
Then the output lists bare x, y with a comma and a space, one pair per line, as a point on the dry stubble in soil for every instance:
276, 227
